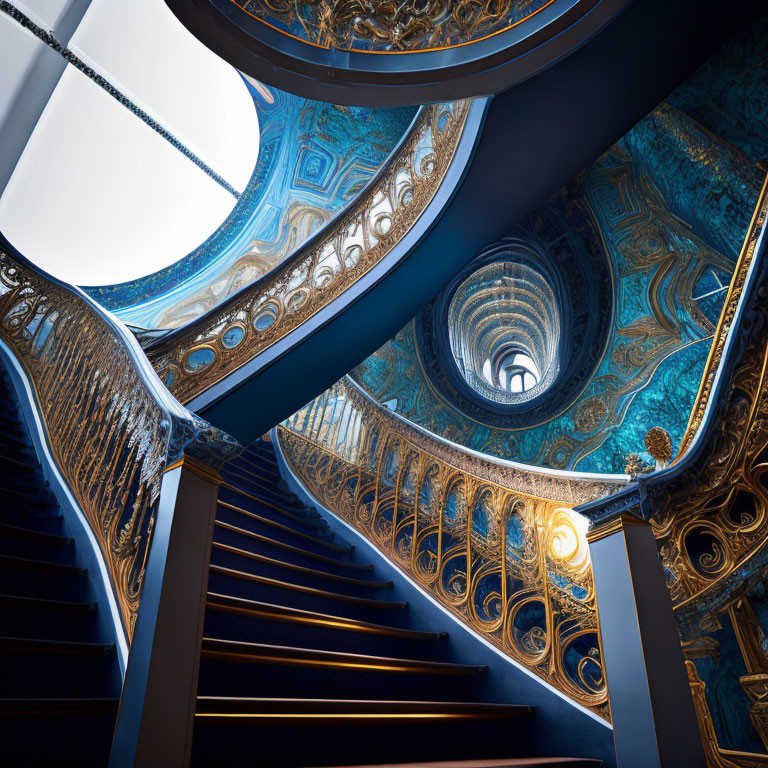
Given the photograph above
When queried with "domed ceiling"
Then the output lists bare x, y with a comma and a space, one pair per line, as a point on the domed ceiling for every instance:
393, 53
646, 238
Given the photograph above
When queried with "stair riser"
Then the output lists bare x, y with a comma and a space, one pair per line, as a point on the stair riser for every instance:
250, 565
223, 678
241, 541
235, 587
34, 549
55, 675
51, 625
50, 585
289, 537
233, 627
388, 742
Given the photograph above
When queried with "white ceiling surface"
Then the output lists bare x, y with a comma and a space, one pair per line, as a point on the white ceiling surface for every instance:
97, 196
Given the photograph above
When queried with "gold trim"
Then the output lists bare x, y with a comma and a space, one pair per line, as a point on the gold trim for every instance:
328, 46
614, 525
326, 267
727, 314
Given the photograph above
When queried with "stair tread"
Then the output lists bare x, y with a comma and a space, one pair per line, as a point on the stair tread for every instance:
333, 658
370, 583
31, 564
31, 533
44, 645
47, 705
292, 548
309, 522
372, 602
286, 528
213, 708
308, 705
20, 601
287, 613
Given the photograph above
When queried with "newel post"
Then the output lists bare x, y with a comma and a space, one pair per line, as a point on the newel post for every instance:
652, 709
156, 716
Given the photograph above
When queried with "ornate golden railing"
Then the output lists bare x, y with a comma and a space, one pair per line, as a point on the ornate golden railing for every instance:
110, 425
496, 543
710, 513
726, 320
220, 342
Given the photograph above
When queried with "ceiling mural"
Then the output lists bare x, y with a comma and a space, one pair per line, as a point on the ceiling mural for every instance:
314, 159
668, 208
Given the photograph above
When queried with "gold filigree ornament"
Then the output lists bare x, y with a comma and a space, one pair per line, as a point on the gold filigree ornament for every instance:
659, 444
497, 545
215, 345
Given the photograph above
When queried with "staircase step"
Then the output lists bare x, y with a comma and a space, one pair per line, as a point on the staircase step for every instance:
273, 525
272, 612
258, 653
342, 712
42, 668
52, 619
313, 522
274, 567
313, 592
224, 528
32, 645
58, 706
27, 542
29, 577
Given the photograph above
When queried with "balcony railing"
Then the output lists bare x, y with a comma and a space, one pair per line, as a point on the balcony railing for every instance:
496, 543
112, 428
203, 353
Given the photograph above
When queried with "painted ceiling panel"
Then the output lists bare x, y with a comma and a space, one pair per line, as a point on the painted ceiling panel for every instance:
669, 207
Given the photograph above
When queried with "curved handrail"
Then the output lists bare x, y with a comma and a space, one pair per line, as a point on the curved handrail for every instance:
215, 345
112, 427
709, 508
495, 542
725, 322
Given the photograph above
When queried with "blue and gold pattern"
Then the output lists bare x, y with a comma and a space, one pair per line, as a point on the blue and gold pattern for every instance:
392, 26
496, 544
671, 204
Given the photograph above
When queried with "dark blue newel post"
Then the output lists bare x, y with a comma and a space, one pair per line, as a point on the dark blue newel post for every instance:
156, 717
654, 719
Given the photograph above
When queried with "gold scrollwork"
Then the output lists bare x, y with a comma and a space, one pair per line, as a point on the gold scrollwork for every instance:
106, 431
393, 25
211, 348
497, 545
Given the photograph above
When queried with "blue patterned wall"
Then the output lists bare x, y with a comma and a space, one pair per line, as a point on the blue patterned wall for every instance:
314, 158
671, 202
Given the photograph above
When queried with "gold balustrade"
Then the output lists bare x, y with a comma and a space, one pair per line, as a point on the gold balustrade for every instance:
220, 342
497, 544
110, 432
